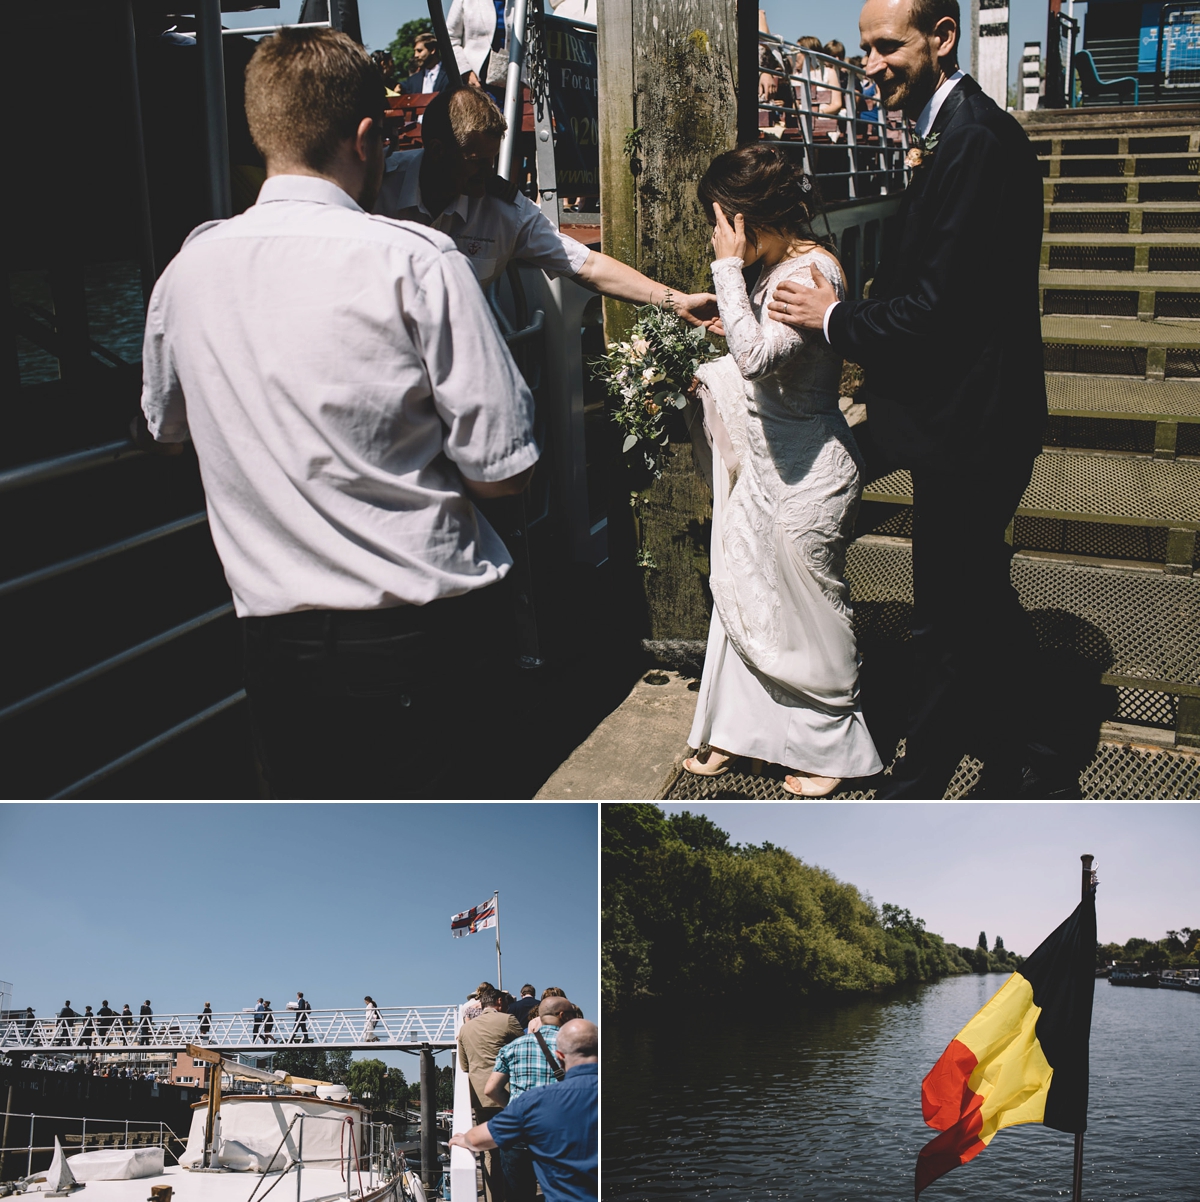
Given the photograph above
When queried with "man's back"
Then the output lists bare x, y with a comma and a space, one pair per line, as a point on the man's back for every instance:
524, 1062
330, 401
479, 1042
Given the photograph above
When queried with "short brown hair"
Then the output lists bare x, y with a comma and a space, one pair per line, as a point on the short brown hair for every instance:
764, 183
927, 13
423, 38
306, 92
451, 117
835, 49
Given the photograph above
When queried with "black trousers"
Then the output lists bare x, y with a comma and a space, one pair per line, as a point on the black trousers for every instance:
370, 703
975, 652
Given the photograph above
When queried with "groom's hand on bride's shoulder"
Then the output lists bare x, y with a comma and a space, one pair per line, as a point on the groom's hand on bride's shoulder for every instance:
802, 306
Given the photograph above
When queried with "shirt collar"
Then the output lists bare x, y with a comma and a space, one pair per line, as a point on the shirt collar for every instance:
582, 1070
930, 111
313, 188
409, 195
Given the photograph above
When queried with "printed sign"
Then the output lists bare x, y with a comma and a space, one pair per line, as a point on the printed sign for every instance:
1181, 44
571, 65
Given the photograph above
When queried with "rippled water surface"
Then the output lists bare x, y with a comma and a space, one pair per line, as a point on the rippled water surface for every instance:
769, 1100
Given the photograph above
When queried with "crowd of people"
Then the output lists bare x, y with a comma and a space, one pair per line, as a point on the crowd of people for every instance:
532, 1067
796, 84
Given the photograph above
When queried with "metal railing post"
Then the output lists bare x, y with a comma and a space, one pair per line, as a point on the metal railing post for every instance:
512, 96
29, 1164
299, 1157
212, 57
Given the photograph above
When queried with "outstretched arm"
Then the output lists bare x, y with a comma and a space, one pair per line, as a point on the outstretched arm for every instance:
611, 277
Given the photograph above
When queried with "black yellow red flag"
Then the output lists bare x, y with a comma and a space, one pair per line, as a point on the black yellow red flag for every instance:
1023, 1058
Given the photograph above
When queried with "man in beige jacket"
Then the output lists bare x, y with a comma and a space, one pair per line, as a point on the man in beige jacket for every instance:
479, 1041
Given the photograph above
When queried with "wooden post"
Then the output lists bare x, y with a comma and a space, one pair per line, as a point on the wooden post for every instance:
430, 1176
668, 97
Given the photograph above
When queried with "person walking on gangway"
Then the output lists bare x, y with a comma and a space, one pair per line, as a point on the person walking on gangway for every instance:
145, 1026
205, 1018
300, 1028
372, 1022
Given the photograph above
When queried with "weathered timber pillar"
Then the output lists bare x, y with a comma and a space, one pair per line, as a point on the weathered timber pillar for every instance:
668, 93
430, 1169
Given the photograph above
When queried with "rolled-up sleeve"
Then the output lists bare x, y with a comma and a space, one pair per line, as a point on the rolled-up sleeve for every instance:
477, 389
539, 243
162, 394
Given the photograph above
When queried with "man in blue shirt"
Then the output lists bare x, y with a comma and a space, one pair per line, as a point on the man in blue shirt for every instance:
558, 1123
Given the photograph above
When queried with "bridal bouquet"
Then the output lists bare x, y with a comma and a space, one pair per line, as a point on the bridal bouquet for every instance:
651, 374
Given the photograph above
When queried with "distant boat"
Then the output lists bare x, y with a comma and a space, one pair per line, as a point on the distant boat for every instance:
1180, 978
1132, 974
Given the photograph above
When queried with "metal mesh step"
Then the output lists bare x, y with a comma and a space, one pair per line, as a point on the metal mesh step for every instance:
1081, 331
1182, 239
1092, 488
1136, 281
1107, 396
1141, 628
1118, 772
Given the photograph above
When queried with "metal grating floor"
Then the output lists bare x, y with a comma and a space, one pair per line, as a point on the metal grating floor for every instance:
1137, 625
1140, 281
1083, 331
1118, 772
1092, 488
1119, 397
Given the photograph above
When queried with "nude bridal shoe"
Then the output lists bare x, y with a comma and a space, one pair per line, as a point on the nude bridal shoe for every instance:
808, 784
708, 763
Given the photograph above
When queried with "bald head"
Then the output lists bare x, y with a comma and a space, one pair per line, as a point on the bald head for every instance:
578, 1041
552, 1009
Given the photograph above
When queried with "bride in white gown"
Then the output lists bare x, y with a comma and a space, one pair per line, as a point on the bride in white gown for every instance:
780, 678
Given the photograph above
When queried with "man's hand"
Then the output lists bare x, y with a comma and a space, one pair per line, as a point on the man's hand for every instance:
802, 308
478, 1139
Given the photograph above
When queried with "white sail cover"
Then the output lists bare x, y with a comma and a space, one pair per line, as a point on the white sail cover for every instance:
116, 1164
252, 1128
59, 1178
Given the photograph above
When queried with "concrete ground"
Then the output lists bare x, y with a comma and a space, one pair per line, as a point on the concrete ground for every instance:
634, 753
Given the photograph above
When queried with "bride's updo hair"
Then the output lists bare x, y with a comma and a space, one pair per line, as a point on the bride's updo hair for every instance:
767, 186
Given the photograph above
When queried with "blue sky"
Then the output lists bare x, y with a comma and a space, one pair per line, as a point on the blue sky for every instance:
191, 903
1007, 869
827, 19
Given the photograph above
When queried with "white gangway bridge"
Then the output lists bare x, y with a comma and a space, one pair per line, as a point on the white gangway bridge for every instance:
403, 1028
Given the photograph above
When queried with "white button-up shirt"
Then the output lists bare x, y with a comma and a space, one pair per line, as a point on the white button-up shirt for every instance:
488, 230
337, 371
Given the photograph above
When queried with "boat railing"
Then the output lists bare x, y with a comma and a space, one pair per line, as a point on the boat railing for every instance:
93, 1133
833, 112
395, 1026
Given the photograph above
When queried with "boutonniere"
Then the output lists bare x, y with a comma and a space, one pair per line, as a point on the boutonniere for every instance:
922, 152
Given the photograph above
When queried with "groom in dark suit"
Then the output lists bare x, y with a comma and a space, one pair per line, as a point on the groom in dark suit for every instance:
951, 343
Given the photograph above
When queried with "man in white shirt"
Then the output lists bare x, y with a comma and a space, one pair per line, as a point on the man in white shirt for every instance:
343, 430
451, 185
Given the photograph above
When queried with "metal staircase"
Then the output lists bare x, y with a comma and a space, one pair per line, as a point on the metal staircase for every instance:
1105, 536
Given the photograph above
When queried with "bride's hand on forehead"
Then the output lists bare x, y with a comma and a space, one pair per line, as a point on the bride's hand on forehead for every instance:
729, 241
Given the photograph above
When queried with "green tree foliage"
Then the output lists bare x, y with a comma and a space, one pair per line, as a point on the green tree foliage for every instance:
373, 1081
320, 1065
983, 940
401, 47
685, 913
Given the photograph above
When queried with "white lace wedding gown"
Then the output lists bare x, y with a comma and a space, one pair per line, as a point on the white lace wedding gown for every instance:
780, 678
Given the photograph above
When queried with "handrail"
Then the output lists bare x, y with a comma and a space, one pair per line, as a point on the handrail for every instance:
871, 134
131, 757
237, 1030
113, 661
66, 465
257, 29
41, 575
535, 326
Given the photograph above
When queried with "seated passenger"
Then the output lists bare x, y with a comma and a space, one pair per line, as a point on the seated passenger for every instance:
451, 185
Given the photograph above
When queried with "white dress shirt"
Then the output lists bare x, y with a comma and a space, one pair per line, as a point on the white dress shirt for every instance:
488, 229
337, 371
921, 127
429, 77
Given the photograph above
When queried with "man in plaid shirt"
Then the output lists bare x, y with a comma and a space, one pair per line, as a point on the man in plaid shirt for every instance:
523, 1066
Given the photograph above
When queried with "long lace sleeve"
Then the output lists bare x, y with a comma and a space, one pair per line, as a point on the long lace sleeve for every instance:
761, 348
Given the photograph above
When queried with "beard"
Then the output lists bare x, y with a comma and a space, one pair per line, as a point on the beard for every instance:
911, 91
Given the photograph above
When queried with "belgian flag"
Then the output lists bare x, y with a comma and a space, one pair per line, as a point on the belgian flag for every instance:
1023, 1058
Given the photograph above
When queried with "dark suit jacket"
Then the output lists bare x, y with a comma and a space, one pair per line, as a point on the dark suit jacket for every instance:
951, 336
413, 82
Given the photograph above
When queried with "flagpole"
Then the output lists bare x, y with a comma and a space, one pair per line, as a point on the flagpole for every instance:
499, 974
1077, 1180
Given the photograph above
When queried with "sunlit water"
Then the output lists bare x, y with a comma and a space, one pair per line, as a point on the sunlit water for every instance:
769, 1099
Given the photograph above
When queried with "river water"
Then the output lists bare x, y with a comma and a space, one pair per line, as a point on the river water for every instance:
770, 1100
